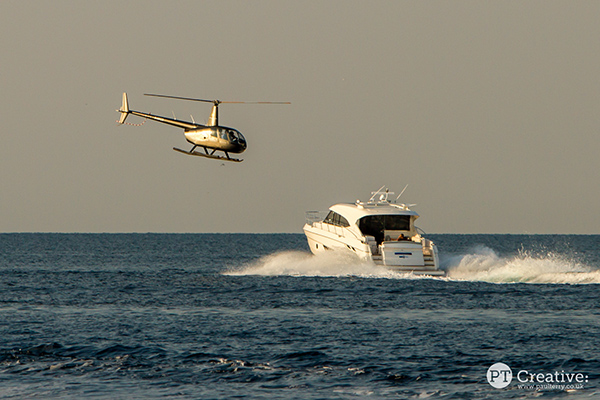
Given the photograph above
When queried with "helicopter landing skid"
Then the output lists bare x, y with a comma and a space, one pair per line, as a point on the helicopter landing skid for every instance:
197, 153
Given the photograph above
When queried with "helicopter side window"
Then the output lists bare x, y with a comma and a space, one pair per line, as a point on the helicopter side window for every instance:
224, 134
213, 134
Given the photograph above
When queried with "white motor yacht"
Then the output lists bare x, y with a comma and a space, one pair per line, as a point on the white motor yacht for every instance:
379, 230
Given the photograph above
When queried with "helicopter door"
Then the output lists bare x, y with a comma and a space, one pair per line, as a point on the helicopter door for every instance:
223, 135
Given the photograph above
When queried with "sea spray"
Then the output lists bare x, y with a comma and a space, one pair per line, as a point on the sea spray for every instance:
298, 263
483, 264
479, 264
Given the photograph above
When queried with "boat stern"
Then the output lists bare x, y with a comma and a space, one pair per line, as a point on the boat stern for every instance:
402, 254
411, 257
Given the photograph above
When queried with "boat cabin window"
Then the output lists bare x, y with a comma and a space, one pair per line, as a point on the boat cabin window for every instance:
334, 218
376, 225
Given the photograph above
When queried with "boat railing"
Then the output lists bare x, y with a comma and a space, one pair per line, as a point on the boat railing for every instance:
315, 216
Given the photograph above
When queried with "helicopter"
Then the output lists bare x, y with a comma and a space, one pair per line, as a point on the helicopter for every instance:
211, 137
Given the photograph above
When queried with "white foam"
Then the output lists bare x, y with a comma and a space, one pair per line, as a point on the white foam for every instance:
483, 264
297, 263
480, 264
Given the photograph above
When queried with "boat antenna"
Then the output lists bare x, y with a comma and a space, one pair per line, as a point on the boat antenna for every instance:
401, 193
375, 194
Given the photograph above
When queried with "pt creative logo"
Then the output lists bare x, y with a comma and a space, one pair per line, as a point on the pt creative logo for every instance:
499, 375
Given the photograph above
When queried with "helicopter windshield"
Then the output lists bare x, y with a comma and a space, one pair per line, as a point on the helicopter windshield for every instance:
236, 137
231, 135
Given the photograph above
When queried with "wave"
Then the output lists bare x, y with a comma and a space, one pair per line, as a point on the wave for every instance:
483, 264
480, 264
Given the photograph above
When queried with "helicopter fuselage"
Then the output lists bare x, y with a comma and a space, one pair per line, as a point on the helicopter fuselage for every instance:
217, 137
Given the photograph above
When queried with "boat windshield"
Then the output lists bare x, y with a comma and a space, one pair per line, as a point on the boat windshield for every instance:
376, 225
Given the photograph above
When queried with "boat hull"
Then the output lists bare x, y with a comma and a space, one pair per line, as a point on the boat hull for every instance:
401, 256
320, 241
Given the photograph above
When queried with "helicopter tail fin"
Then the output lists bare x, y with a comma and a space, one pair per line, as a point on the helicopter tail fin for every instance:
124, 110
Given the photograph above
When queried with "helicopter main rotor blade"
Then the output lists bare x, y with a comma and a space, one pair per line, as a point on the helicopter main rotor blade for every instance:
180, 98
217, 101
254, 102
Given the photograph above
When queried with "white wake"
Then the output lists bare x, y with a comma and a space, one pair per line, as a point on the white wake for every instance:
483, 264
480, 264
298, 263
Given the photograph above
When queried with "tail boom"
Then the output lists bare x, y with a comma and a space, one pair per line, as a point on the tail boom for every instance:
125, 111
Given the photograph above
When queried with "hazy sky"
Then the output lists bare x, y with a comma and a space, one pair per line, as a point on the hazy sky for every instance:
489, 111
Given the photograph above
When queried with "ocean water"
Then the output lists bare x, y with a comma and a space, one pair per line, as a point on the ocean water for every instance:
222, 316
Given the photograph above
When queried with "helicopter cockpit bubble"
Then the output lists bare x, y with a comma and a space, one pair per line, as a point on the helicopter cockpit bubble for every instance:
242, 139
236, 137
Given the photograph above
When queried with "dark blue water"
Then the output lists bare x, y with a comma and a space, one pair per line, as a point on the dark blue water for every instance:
205, 316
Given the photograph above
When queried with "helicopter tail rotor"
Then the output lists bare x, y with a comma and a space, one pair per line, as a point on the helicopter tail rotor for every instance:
124, 110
